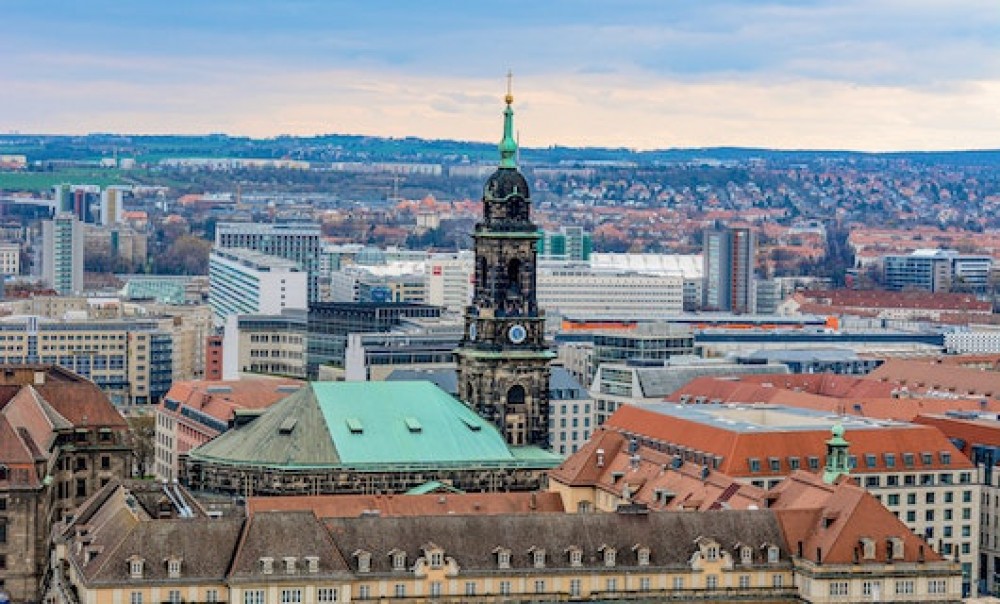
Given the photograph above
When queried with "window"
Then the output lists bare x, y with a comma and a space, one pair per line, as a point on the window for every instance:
3, 530
576, 557
712, 553
174, 568
929, 497
678, 582
365, 592
892, 480
364, 562
872, 481
643, 556
135, 597
838, 588
966, 496
794, 463
937, 586
399, 561
774, 463
772, 554
966, 513
400, 590
574, 587
754, 464
893, 499
437, 559
539, 586
505, 588
911, 499
908, 460
945, 458
813, 462
712, 582
253, 596
926, 459
538, 558
949, 497
291, 596
609, 557
135, 568
174, 596
470, 588
290, 565
870, 460
435, 589
890, 460
777, 580
267, 565
211, 596
503, 559
744, 581
325, 595
644, 584
871, 588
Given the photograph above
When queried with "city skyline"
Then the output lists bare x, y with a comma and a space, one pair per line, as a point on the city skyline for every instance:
872, 76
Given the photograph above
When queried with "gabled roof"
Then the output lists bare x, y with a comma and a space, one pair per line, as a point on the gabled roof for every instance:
832, 520
278, 535
920, 375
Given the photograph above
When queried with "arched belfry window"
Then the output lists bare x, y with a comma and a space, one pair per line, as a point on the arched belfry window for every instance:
516, 395
514, 277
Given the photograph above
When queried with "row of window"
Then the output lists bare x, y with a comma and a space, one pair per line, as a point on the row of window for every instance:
871, 461
435, 588
874, 588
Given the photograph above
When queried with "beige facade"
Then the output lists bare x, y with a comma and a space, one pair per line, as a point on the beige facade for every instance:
10, 259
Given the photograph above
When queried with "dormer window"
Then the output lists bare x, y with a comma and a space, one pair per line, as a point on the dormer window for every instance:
503, 557
712, 553
609, 556
575, 557
364, 561
267, 565
136, 567
746, 555
868, 548
437, 559
290, 565
538, 558
174, 568
398, 560
312, 564
773, 554
642, 556
896, 550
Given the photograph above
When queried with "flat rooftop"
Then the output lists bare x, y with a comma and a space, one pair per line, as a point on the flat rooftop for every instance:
760, 418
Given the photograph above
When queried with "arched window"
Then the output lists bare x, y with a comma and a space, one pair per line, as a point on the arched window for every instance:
4, 472
515, 396
481, 273
469, 393
514, 276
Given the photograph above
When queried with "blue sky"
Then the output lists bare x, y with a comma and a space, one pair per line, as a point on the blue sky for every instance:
857, 74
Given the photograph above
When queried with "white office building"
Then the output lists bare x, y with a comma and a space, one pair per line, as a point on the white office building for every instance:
580, 291
299, 242
242, 281
449, 280
62, 253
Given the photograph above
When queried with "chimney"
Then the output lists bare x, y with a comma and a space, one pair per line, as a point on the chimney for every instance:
920, 554
600, 458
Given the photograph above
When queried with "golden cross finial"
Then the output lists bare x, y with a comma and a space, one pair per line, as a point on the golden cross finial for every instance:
510, 95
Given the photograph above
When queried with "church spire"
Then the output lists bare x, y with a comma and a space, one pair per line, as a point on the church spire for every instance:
837, 459
508, 146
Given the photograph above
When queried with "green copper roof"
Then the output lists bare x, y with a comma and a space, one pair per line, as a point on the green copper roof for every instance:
508, 146
369, 426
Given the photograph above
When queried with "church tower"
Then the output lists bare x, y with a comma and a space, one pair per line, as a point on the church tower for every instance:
503, 361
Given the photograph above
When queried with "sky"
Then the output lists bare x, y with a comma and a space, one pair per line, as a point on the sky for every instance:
869, 75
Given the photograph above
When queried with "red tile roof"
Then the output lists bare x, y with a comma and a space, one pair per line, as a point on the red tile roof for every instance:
649, 475
923, 375
874, 299
737, 448
830, 522
220, 399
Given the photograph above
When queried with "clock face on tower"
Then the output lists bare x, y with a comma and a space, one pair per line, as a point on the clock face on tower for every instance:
517, 333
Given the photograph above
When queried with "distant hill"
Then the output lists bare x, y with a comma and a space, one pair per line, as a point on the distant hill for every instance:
345, 147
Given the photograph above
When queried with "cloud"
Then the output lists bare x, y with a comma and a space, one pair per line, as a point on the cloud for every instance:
639, 73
